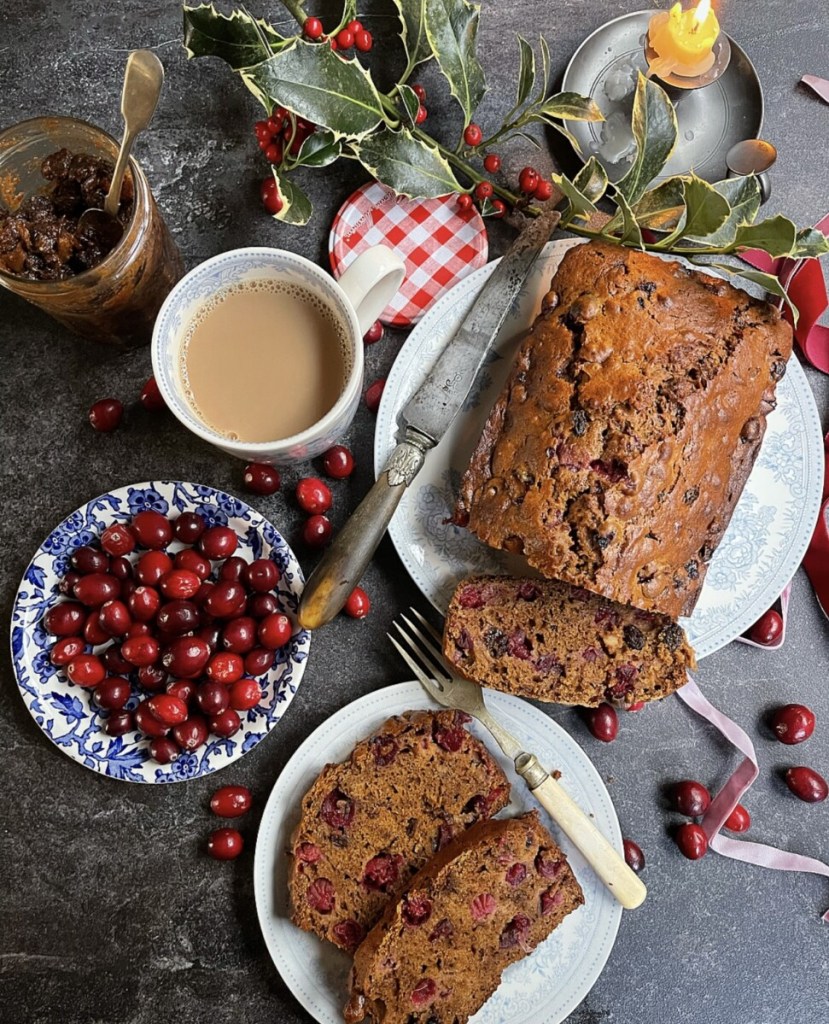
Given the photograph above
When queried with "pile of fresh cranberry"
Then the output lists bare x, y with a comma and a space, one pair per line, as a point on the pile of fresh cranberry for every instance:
191, 632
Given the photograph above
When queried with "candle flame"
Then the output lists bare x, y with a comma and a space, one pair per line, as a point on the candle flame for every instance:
702, 11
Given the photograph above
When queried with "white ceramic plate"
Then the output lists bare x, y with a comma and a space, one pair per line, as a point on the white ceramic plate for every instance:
542, 989
66, 713
763, 546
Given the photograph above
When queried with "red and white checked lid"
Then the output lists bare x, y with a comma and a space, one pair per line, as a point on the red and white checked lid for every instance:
439, 243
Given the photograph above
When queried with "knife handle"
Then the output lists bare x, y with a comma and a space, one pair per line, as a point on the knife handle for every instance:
344, 563
602, 857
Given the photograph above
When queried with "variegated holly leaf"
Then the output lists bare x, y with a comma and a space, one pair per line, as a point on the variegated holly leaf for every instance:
237, 38
591, 180
654, 128
661, 208
296, 206
544, 78
569, 106
743, 196
631, 233
767, 281
452, 28
580, 204
414, 35
526, 71
705, 209
811, 243
313, 82
410, 103
411, 167
776, 235
319, 150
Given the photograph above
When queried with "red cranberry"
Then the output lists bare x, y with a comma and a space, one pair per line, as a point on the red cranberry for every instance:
739, 820
417, 909
152, 529
225, 844
547, 867
381, 871
313, 496
179, 584
261, 478
67, 648
65, 619
274, 631
144, 603
152, 678
767, 629
164, 750
245, 694
312, 27
121, 569
146, 722
193, 561
140, 650
603, 722
205, 590
233, 569
93, 632
516, 874
262, 605
212, 698
637, 705
189, 527
239, 635
225, 667
424, 992
119, 723
186, 657
177, 618
114, 662
106, 415
139, 629
792, 723
338, 462
67, 584
86, 670
371, 337
633, 855
184, 689
231, 801
316, 531
114, 618
192, 734
349, 933
472, 135
150, 396
805, 783
259, 661
225, 724
528, 180
482, 906
544, 190
484, 190
269, 194
226, 600
218, 542
374, 392
358, 605
168, 709
261, 575
337, 809
515, 932
308, 853
691, 840
96, 588
151, 567
118, 539
691, 798
88, 559
385, 750
212, 634
320, 895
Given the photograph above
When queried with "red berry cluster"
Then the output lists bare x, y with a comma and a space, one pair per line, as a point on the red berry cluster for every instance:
228, 802
107, 413
353, 35
280, 135
530, 182
422, 112
195, 636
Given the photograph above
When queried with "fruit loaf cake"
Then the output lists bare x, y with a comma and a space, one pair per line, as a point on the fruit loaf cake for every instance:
485, 901
367, 825
550, 641
625, 433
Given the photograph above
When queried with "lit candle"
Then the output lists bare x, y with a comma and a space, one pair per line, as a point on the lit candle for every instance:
683, 41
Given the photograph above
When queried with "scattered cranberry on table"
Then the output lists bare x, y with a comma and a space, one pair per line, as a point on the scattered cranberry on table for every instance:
767, 629
150, 397
358, 604
806, 784
316, 531
792, 723
374, 333
231, 801
603, 722
313, 496
634, 857
739, 820
691, 840
691, 798
225, 844
373, 394
106, 415
261, 478
338, 462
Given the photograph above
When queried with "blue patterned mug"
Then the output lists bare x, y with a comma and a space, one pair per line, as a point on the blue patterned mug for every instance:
356, 301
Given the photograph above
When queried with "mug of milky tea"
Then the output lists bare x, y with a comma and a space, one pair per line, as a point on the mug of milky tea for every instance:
260, 352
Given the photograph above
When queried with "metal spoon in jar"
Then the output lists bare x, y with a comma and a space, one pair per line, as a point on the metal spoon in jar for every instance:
143, 78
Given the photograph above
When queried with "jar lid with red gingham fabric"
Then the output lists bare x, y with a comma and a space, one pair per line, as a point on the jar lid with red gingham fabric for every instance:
439, 243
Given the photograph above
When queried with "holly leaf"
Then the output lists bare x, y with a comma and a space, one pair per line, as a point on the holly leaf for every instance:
319, 150
526, 71
776, 235
580, 205
296, 206
743, 196
411, 167
631, 233
706, 210
452, 28
236, 39
545, 69
410, 102
569, 106
591, 180
313, 82
654, 128
811, 243
767, 281
661, 208
415, 39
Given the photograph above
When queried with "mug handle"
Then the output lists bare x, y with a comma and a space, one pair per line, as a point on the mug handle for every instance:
371, 282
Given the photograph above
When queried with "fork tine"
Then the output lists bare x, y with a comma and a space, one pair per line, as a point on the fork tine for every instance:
432, 685
426, 625
434, 668
436, 653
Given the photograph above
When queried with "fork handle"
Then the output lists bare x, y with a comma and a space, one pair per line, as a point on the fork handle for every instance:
602, 857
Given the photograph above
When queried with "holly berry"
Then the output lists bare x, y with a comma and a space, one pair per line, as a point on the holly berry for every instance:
529, 180
263, 131
792, 723
499, 208
261, 478
691, 840
633, 855
421, 114
484, 190
363, 41
150, 397
472, 135
358, 604
464, 201
345, 39
739, 820
269, 194
492, 163
312, 27
354, 26
374, 333
273, 153
374, 392
691, 798
106, 415
543, 190
419, 91
767, 629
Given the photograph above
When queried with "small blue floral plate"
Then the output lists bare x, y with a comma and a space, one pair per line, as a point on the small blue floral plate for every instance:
65, 711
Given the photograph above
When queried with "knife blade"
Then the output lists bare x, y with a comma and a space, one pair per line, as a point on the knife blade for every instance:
426, 418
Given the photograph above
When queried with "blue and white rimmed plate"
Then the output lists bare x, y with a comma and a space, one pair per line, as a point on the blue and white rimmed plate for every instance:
762, 548
541, 989
66, 713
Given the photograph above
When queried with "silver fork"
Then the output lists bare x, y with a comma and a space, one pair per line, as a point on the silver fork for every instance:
426, 660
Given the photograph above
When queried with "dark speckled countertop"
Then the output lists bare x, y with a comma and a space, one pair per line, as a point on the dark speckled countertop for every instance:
111, 912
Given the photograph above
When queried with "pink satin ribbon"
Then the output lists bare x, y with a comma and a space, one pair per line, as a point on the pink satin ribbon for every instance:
729, 796
816, 562
818, 85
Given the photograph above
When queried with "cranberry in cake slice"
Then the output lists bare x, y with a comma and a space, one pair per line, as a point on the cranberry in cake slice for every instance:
550, 641
369, 824
482, 903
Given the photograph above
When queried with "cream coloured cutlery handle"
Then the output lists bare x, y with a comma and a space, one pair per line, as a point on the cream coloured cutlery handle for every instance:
609, 865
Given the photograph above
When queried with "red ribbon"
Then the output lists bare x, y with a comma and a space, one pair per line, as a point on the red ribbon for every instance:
816, 562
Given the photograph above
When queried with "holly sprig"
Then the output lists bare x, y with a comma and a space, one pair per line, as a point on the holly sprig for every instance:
682, 214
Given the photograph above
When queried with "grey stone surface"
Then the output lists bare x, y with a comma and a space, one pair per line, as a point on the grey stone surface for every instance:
111, 911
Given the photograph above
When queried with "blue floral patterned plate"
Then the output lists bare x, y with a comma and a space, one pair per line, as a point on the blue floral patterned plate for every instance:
65, 712
762, 548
